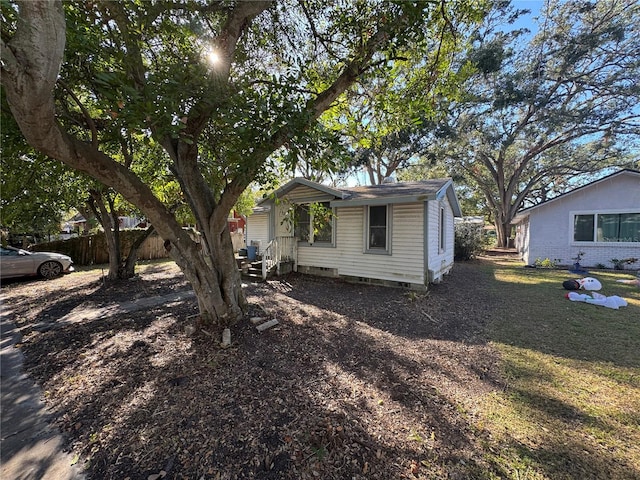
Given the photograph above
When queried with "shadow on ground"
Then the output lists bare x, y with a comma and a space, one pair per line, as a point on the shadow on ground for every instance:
354, 382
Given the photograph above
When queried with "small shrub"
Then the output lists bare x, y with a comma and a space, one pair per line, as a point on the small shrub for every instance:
619, 264
547, 263
576, 260
468, 241
489, 238
600, 266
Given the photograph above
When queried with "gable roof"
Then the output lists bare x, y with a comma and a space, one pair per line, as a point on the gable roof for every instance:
307, 183
403, 192
524, 213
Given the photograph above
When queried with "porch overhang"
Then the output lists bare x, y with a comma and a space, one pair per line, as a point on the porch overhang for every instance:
282, 191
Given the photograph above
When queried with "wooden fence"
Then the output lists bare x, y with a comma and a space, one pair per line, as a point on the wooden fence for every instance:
92, 249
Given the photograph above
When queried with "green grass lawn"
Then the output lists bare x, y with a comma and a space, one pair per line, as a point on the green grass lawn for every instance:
570, 408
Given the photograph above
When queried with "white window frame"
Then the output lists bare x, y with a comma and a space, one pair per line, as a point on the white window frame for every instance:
311, 242
367, 233
595, 213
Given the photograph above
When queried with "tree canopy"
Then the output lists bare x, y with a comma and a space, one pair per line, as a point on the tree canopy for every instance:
36, 191
537, 113
221, 86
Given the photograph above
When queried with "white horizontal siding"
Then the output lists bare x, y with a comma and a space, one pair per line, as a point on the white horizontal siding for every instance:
283, 226
304, 194
405, 264
439, 261
345, 245
258, 229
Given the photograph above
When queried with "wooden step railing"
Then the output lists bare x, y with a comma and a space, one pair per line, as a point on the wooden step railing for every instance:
278, 250
269, 255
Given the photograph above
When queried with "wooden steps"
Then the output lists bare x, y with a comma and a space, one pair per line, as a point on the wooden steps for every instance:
253, 270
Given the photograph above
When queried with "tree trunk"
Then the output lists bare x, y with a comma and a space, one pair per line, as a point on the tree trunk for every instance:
109, 222
503, 231
214, 276
115, 256
128, 269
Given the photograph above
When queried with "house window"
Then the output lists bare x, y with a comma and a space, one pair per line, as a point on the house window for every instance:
322, 221
442, 226
607, 227
314, 222
583, 228
378, 228
618, 227
302, 223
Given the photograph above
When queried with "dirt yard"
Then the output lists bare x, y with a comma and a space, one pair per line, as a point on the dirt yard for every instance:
355, 382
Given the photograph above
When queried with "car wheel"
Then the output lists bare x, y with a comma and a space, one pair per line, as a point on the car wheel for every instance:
50, 269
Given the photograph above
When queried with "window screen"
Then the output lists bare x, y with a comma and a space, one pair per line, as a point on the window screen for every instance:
378, 227
302, 223
322, 222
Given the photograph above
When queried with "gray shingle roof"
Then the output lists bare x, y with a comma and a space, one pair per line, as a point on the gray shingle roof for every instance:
408, 189
402, 192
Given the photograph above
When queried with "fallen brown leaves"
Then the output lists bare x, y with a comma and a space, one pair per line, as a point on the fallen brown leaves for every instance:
353, 382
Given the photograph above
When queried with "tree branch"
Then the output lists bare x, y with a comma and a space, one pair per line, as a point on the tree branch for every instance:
85, 113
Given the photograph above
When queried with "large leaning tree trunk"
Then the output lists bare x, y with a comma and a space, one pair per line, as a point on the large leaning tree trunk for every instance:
31, 63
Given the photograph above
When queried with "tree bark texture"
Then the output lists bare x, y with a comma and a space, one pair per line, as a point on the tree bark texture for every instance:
31, 63
109, 221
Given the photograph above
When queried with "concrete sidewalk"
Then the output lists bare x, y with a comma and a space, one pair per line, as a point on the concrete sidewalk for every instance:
30, 448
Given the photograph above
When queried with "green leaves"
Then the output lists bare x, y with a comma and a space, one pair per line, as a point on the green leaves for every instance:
535, 114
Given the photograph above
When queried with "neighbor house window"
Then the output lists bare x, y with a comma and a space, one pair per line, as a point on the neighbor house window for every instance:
618, 227
583, 228
378, 228
607, 227
314, 223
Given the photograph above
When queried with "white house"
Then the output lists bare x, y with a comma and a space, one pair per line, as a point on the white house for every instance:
601, 219
397, 233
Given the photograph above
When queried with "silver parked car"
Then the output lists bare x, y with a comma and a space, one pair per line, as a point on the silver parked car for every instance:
15, 262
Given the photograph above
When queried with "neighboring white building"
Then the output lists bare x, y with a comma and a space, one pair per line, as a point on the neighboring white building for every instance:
601, 219
396, 233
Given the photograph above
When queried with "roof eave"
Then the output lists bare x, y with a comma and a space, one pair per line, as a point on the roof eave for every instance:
282, 191
448, 190
519, 218
358, 202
